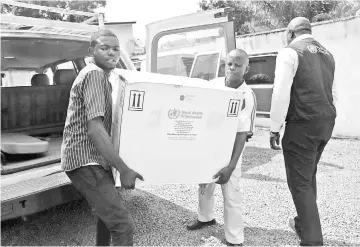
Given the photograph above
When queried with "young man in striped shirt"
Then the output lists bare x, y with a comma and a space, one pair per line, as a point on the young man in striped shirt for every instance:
237, 66
87, 150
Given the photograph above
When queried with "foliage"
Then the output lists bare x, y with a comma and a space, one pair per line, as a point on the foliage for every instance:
267, 15
85, 6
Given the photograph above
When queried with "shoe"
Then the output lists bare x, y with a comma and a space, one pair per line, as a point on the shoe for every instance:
230, 244
292, 226
196, 225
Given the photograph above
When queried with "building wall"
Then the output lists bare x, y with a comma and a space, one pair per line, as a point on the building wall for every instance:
342, 39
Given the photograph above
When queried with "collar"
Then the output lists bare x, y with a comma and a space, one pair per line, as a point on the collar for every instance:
242, 86
92, 63
301, 37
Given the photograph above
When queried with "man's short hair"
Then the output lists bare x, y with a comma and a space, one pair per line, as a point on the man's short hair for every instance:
300, 25
100, 33
239, 53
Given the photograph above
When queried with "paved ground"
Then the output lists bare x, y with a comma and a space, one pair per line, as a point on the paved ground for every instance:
160, 212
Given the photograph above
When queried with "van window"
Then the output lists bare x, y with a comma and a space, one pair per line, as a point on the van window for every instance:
177, 51
66, 65
17, 78
206, 65
50, 74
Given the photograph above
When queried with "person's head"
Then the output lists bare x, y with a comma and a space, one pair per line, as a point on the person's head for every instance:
297, 27
237, 65
104, 47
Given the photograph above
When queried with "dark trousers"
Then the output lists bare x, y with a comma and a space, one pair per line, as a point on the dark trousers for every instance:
114, 220
303, 144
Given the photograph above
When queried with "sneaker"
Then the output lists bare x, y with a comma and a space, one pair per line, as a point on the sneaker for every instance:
196, 225
230, 244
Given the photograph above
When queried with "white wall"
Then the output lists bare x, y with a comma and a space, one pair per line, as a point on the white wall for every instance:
342, 39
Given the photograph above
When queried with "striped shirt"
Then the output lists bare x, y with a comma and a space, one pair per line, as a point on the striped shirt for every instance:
90, 97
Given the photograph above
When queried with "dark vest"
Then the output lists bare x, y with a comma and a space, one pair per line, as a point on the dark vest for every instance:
311, 97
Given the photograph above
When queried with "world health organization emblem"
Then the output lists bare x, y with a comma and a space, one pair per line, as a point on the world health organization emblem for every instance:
174, 113
312, 48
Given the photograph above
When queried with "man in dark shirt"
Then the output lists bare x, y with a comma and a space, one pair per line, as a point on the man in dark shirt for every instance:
87, 144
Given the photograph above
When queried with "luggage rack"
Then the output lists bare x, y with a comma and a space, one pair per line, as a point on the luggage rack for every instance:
12, 25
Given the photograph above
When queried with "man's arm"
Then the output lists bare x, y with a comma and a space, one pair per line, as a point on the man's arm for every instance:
94, 100
245, 127
335, 91
286, 66
238, 149
102, 142
225, 173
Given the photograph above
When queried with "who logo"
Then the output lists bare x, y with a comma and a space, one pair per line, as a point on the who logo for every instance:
136, 100
233, 109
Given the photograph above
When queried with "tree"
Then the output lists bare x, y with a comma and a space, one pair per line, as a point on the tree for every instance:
268, 15
346, 9
245, 9
285, 11
85, 5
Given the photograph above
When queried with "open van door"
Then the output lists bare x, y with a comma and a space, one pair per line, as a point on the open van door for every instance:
188, 46
173, 44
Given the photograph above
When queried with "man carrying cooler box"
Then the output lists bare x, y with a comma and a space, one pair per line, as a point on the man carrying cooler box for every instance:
229, 177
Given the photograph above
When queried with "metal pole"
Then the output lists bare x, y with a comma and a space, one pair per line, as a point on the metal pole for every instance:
101, 20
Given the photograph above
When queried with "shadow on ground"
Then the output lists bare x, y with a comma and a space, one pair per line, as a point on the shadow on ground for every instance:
158, 222
61, 225
256, 156
257, 236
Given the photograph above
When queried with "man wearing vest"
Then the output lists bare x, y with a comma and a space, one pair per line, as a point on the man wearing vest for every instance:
304, 97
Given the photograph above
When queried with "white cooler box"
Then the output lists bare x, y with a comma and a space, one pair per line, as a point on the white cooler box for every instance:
173, 130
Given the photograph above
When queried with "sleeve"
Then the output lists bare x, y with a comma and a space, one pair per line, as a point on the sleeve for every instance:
335, 91
94, 95
247, 114
286, 66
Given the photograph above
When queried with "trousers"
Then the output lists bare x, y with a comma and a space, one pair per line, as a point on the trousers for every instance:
233, 206
98, 188
303, 144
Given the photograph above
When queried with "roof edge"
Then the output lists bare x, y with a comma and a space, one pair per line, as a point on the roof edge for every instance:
312, 24
115, 23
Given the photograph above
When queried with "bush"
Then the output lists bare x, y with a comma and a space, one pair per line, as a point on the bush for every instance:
321, 17
260, 79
